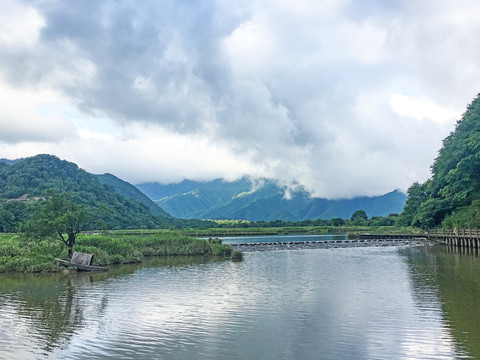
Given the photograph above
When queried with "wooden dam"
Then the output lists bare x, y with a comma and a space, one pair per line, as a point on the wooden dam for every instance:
358, 240
453, 238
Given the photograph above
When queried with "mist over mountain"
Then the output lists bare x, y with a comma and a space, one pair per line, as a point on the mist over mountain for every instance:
263, 199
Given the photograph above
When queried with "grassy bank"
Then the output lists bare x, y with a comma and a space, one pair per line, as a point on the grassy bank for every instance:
309, 230
19, 255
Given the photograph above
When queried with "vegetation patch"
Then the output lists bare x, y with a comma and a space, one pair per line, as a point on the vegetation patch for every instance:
18, 254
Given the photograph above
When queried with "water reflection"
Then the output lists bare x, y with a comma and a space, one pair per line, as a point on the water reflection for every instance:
455, 275
41, 313
352, 303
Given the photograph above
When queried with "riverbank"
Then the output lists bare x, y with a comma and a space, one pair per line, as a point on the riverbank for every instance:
352, 231
20, 255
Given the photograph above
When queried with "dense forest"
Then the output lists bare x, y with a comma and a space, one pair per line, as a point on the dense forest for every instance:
451, 197
23, 185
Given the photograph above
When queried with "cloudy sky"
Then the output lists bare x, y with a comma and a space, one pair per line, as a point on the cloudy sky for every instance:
346, 97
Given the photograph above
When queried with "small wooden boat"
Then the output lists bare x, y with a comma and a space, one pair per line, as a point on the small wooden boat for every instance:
82, 261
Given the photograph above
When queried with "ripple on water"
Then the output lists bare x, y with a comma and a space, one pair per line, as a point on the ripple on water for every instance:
361, 303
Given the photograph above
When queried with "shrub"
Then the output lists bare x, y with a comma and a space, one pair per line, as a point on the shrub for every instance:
237, 255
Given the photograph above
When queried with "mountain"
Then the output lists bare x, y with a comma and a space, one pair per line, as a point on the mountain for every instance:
264, 199
131, 192
451, 197
9, 162
29, 178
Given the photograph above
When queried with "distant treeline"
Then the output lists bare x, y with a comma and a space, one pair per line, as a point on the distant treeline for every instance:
359, 218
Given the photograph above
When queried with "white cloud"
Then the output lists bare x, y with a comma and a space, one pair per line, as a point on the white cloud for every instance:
421, 109
20, 25
36, 114
346, 98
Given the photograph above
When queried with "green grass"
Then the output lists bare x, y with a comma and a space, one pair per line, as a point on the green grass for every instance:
19, 255
310, 230
132, 246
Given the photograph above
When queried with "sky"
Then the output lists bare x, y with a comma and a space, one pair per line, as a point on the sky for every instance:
343, 97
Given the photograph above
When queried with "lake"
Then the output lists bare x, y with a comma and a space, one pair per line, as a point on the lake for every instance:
339, 303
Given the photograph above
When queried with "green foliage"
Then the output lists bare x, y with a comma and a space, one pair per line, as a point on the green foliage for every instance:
60, 216
12, 213
131, 192
464, 217
337, 222
26, 180
449, 196
359, 217
237, 255
19, 255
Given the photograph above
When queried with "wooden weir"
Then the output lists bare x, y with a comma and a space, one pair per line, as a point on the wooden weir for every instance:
361, 238
461, 238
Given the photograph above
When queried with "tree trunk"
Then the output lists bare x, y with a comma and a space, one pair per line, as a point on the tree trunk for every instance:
71, 242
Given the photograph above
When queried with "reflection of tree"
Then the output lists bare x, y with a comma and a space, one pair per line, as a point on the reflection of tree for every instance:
456, 275
53, 306
56, 307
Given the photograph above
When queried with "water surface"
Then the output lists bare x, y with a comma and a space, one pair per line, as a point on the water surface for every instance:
348, 303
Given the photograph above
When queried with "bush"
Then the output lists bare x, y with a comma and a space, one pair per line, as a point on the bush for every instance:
237, 255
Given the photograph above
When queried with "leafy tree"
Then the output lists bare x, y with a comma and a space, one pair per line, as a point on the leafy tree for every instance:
455, 182
11, 214
359, 217
60, 216
417, 194
381, 221
465, 217
337, 221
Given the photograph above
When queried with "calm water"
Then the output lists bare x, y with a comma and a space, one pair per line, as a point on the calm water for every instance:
345, 303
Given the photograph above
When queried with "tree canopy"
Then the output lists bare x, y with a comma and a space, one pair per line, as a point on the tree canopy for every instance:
59, 216
25, 181
450, 196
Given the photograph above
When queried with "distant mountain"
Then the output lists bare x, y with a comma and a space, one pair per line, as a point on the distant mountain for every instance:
30, 177
131, 192
262, 199
10, 162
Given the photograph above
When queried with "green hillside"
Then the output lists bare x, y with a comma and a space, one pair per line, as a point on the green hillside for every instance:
24, 182
451, 197
131, 192
262, 199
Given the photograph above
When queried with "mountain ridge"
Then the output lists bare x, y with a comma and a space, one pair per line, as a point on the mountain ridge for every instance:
29, 178
261, 200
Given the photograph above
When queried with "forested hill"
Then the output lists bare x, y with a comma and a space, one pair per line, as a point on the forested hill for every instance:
451, 197
130, 191
30, 177
261, 199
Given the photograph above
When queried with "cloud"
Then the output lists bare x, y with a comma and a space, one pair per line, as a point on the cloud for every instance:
327, 94
33, 115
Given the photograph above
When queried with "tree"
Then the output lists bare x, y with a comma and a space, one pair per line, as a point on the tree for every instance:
454, 185
359, 217
337, 221
60, 216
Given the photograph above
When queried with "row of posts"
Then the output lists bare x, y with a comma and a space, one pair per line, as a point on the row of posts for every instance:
464, 238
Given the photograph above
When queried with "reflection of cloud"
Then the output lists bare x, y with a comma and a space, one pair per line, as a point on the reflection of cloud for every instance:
289, 304
340, 303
